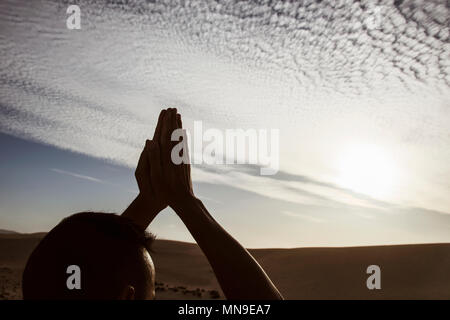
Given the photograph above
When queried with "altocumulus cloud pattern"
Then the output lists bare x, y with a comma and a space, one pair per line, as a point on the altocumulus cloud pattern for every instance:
289, 64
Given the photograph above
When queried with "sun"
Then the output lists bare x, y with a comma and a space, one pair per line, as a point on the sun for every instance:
367, 169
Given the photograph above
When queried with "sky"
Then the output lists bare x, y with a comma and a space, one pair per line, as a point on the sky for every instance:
359, 91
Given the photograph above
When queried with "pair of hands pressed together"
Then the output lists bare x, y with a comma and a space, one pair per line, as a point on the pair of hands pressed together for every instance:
161, 182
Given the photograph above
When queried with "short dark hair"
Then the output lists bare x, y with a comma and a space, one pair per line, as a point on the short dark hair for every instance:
107, 247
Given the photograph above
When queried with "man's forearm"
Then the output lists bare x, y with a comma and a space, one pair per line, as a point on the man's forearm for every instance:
136, 209
238, 273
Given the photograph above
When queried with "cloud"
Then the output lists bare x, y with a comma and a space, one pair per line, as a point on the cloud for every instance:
303, 217
309, 68
209, 199
91, 179
76, 175
286, 186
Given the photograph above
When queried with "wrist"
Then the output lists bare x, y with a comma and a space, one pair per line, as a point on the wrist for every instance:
142, 211
181, 203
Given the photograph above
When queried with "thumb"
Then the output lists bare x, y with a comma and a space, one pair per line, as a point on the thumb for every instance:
155, 165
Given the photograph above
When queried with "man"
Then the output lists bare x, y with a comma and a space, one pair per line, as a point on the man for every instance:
111, 251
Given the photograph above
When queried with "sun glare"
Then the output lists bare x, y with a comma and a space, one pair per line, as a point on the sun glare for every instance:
367, 169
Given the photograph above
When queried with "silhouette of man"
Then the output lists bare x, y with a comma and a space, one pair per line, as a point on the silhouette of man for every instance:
112, 251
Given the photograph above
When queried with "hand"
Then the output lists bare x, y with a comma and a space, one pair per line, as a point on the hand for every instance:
150, 200
177, 184
160, 181
148, 189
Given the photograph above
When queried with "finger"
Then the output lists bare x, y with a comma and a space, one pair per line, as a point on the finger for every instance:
186, 160
174, 125
142, 171
179, 122
176, 172
173, 119
148, 166
165, 128
142, 162
165, 145
157, 135
180, 126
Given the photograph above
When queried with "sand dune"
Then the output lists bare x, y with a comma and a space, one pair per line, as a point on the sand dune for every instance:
407, 271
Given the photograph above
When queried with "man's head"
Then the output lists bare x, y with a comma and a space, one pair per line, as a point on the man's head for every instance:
110, 251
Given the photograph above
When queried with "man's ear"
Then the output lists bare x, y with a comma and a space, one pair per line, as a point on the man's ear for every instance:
127, 293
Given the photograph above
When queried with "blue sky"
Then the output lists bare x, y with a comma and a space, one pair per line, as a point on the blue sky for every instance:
359, 93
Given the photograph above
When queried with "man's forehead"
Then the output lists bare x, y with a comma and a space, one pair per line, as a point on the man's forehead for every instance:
148, 260
151, 268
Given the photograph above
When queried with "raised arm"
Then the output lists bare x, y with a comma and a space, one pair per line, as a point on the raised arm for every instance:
239, 274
